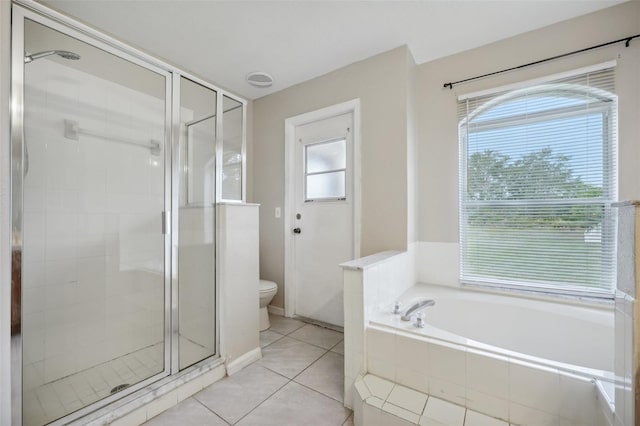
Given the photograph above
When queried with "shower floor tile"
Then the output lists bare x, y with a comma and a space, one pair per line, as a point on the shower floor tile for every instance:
48, 402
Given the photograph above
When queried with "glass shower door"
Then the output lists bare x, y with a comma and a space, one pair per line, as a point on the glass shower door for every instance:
197, 223
93, 244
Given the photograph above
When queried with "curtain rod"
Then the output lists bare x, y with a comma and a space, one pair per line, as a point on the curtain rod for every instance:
627, 41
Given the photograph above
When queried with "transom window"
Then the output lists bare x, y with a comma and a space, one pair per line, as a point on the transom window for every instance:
325, 170
537, 176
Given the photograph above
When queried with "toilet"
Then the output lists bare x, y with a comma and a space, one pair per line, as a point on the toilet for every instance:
268, 289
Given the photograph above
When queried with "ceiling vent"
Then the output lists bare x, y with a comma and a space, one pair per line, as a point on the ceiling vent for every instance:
259, 79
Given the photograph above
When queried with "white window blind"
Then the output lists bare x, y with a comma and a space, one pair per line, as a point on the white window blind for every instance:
537, 178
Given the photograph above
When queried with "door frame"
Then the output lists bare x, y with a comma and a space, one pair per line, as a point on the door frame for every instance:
290, 124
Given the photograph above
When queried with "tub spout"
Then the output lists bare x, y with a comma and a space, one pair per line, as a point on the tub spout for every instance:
417, 307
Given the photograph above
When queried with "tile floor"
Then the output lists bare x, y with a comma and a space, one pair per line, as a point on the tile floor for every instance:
299, 381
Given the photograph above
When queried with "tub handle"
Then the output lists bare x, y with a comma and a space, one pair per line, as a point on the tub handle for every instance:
419, 321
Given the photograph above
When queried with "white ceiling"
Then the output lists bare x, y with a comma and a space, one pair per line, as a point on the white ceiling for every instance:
295, 41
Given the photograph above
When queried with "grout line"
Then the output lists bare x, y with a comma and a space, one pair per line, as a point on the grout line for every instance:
271, 343
276, 372
200, 402
263, 401
332, 347
317, 346
318, 392
308, 366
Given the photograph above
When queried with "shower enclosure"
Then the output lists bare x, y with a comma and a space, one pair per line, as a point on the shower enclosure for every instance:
118, 162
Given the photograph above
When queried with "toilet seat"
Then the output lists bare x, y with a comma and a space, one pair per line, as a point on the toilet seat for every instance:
267, 286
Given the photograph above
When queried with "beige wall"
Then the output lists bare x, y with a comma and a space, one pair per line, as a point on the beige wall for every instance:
381, 84
409, 128
437, 115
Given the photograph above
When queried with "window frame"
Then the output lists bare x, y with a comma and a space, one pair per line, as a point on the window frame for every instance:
607, 106
306, 172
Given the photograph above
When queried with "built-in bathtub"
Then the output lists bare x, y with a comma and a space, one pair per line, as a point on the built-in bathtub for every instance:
572, 337
529, 361
522, 360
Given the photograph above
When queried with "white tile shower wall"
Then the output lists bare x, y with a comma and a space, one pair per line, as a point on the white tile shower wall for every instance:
494, 385
93, 253
370, 282
437, 263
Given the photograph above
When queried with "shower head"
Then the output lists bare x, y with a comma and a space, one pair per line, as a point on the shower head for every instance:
65, 54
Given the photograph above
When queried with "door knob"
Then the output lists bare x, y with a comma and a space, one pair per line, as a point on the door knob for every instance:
297, 230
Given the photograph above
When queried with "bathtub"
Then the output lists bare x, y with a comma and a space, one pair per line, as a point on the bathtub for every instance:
522, 360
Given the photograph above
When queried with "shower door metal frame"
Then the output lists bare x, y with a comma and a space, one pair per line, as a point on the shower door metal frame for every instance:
29, 9
176, 136
74, 30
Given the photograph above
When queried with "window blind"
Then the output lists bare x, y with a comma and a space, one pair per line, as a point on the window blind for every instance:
537, 178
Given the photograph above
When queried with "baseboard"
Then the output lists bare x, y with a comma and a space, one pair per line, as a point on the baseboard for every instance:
275, 310
243, 361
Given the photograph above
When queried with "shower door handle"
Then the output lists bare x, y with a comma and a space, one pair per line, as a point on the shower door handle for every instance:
166, 222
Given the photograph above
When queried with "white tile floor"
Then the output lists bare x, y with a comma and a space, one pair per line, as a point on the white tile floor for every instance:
299, 381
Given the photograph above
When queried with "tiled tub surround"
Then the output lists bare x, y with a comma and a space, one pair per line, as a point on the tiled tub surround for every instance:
380, 402
482, 375
369, 282
507, 388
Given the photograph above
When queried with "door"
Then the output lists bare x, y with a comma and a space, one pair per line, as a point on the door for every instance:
92, 167
323, 217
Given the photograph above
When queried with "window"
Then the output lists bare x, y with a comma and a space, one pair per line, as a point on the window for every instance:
537, 177
325, 170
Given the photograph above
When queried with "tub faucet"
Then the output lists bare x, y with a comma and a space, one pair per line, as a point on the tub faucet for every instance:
417, 307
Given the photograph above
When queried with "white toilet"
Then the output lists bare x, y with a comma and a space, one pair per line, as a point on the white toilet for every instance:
268, 289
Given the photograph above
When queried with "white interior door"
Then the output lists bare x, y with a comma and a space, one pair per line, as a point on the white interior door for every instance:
323, 216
